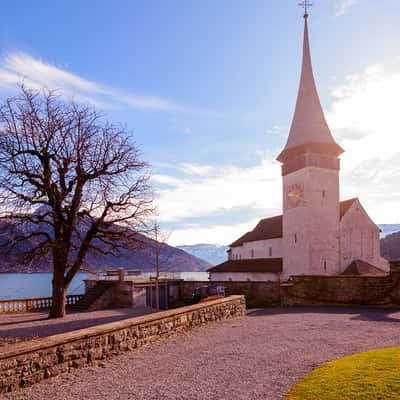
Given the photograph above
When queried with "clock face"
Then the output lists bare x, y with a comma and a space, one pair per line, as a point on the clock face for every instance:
295, 195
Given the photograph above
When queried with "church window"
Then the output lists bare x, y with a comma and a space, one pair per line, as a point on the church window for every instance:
324, 193
252, 253
295, 237
270, 251
325, 265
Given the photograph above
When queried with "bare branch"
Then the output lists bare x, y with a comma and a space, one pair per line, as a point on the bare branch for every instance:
75, 182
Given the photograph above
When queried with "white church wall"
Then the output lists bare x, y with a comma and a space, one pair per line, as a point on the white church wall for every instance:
243, 277
359, 238
270, 248
311, 222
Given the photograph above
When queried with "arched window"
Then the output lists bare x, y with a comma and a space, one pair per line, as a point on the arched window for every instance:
270, 251
252, 253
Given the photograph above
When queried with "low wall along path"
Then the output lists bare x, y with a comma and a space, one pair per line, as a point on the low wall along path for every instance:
26, 363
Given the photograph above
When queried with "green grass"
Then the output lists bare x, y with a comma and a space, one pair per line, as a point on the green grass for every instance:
374, 375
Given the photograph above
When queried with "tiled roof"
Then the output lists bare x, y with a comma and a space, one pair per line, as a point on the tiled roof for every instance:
345, 205
241, 240
273, 265
271, 228
267, 228
362, 268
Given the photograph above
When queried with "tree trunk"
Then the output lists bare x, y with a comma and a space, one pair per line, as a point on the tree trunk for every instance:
157, 283
59, 296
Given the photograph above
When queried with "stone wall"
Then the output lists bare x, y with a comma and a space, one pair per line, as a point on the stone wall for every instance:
341, 290
257, 294
244, 277
26, 363
123, 294
120, 294
313, 290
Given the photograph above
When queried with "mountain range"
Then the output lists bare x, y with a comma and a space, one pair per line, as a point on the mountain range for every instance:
188, 258
142, 257
213, 253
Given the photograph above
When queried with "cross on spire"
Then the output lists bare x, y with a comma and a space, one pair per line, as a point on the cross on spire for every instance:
306, 4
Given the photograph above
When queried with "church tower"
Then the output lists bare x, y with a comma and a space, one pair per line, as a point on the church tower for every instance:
310, 171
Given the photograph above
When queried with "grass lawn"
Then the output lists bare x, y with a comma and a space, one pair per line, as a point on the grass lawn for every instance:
374, 375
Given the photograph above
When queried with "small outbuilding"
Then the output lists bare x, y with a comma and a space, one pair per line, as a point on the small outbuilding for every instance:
257, 270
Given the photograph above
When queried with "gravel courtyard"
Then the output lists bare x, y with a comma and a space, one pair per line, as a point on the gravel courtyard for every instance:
259, 356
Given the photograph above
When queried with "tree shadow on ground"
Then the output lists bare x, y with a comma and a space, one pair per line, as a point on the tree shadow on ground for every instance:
360, 313
43, 327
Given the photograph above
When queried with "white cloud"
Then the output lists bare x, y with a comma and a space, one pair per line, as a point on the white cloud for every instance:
344, 5
45, 74
364, 117
276, 131
205, 190
35, 73
216, 234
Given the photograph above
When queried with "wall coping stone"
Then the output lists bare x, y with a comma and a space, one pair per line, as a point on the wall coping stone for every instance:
43, 343
299, 277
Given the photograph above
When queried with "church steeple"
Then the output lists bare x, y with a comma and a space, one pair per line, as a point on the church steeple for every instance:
309, 130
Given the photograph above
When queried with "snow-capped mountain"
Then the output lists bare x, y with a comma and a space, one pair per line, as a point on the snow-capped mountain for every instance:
213, 253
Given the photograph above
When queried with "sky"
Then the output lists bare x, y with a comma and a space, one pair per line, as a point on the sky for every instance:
208, 89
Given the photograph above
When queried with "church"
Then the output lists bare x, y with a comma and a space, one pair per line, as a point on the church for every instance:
317, 234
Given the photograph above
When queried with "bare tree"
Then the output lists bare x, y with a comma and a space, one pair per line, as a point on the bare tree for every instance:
160, 242
74, 182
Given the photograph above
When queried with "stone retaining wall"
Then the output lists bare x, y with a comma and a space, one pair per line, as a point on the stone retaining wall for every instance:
341, 290
26, 363
257, 294
119, 295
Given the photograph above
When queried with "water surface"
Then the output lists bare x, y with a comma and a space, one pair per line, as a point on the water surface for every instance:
19, 286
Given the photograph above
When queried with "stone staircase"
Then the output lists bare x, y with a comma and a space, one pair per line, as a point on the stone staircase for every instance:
96, 298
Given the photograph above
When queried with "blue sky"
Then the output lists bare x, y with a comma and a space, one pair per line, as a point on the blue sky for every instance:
208, 88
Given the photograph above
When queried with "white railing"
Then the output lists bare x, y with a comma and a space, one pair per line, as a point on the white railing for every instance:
113, 276
33, 304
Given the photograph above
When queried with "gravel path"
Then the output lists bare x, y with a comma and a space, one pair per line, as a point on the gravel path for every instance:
259, 356
17, 327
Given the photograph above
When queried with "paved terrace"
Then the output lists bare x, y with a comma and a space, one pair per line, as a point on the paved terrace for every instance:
259, 356
25, 326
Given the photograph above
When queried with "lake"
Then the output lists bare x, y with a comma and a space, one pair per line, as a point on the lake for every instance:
19, 286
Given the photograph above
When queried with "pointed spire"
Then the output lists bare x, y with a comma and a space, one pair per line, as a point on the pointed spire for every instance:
309, 124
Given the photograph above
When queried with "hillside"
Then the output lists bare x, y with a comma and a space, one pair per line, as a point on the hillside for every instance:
142, 257
390, 246
388, 229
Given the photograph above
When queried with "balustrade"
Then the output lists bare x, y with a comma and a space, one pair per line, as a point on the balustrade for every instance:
33, 304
